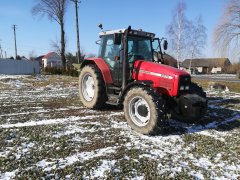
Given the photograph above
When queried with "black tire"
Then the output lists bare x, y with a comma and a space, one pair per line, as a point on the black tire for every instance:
156, 118
100, 96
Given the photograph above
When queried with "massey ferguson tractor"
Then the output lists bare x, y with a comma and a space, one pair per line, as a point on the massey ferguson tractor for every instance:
130, 71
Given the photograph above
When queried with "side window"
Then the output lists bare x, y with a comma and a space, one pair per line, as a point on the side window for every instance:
155, 45
111, 50
100, 47
156, 50
130, 47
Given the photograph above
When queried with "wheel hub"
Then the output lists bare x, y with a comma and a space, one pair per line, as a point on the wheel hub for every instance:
88, 87
142, 110
139, 111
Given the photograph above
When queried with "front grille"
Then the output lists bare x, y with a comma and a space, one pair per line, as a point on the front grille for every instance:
184, 81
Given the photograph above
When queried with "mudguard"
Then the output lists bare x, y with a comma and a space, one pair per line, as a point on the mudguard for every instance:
102, 65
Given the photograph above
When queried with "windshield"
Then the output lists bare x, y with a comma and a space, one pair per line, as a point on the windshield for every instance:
139, 48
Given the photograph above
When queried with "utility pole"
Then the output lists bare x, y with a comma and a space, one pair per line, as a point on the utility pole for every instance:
1, 52
77, 29
1, 56
14, 30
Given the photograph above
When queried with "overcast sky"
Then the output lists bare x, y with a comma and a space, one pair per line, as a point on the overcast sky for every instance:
35, 34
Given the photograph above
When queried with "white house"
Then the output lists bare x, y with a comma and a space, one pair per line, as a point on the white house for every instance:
51, 59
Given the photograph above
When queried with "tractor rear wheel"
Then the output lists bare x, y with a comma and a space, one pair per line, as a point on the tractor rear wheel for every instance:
144, 110
92, 89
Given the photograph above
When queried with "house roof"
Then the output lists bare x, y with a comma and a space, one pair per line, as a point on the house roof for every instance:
48, 55
207, 62
39, 58
169, 60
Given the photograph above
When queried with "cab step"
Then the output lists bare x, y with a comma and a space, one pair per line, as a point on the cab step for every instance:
113, 99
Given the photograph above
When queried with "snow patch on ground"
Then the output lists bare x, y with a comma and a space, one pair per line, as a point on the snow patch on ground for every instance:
8, 175
3, 76
47, 122
82, 156
106, 165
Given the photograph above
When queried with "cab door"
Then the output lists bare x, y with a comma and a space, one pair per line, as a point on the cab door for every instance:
109, 52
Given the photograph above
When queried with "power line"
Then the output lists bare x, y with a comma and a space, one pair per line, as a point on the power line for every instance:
7, 45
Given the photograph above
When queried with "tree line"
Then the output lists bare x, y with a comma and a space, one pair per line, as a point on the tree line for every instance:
188, 38
226, 37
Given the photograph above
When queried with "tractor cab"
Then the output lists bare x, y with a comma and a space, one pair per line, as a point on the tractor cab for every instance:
125, 46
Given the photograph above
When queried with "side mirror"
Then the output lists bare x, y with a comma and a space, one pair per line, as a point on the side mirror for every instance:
165, 44
117, 38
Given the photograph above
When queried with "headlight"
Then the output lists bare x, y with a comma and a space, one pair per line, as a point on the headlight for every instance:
182, 88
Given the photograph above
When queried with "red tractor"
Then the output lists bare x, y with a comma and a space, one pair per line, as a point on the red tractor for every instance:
130, 71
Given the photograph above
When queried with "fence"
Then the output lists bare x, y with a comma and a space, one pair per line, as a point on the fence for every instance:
21, 67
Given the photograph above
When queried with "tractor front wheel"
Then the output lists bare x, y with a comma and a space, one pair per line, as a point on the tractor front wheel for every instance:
92, 89
144, 110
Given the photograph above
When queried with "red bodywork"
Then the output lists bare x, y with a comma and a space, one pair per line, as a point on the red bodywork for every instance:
165, 78
102, 65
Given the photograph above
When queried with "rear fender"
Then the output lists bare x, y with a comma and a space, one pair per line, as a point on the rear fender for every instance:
101, 64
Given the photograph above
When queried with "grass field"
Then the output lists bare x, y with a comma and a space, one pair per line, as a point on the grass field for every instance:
232, 86
46, 132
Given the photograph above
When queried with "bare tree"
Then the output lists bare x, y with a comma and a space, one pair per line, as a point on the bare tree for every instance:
197, 39
32, 55
55, 10
56, 46
177, 32
226, 36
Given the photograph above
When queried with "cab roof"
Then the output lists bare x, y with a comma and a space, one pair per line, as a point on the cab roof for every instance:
131, 32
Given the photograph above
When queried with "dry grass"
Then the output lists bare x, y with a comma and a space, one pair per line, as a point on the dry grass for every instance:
232, 86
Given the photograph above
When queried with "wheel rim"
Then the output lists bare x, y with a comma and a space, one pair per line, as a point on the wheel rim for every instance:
139, 111
88, 87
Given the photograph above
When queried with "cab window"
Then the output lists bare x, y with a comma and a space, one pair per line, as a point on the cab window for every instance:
139, 48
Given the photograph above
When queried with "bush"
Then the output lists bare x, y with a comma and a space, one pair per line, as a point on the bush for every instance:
68, 71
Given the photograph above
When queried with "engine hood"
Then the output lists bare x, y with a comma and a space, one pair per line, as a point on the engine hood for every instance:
158, 69
164, 78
